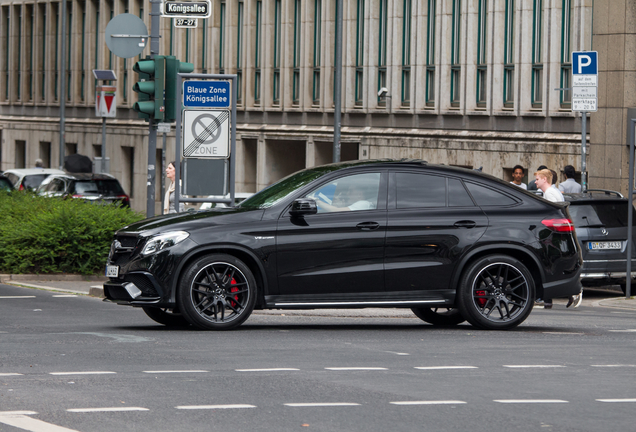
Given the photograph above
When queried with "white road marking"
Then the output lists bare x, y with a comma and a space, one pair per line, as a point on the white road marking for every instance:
397, 353
614, 365
175, 371
267, 370
616, 400
65, 295
530, 401
82, 373
354, 368
211, 407
444, 367
624, 331
106, 409
9, 374
321, 404
22, 421
532, 366
563, 333
16, 297
432, 402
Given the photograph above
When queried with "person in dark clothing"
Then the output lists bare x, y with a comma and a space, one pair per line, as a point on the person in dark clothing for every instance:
532, 185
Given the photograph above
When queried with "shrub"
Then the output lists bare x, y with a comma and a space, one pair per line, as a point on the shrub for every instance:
52, 235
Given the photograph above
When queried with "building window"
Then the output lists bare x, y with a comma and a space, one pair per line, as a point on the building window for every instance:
297, 44
96, 6
69, 57
566, 65
317, 46
6, 21
222, 39
82, 57
359, 74
277, 42
204, 46
406, 54
482, 67
56, 6
430, 54
509, 50
257, 55
239, 54
30, 24
43, 47
19, 53
382, 30
537, 58
456, 68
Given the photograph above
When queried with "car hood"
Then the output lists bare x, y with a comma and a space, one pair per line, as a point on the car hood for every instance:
190, 221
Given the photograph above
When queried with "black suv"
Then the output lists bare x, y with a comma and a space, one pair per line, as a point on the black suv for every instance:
600, 219
449, 243
96, 188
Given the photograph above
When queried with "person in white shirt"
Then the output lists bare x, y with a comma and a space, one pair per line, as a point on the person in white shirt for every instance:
517, 174
543, 180
569, 185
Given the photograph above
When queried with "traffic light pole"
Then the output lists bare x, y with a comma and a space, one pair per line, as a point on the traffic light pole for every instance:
155, 15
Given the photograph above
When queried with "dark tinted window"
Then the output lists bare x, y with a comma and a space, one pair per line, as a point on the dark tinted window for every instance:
104, 187
602, 214
457, 195
420, 190
488, 197
12, 178
33, 181
5, 184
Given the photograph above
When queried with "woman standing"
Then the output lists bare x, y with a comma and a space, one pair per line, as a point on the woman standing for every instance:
168, 202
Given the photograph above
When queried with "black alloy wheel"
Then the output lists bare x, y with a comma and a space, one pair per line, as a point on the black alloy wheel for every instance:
167, 317
439, 316
217, 292
496, 293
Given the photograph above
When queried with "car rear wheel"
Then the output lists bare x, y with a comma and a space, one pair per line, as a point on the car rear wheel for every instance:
167, 317
217, 292
496, 293
439, 316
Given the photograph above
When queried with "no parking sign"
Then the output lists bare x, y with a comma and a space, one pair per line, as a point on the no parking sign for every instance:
206, 133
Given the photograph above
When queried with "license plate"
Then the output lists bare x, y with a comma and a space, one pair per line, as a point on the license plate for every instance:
604, 245
112, 271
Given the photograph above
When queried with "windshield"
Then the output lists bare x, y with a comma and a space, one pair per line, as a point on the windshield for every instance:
33, 181
104, 187
283, 188
601, 214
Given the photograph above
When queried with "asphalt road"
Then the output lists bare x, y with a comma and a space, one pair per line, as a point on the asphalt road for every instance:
77, 363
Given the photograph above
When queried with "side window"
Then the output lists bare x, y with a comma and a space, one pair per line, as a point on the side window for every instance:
420, 190
488, 197
457, 195
351, 193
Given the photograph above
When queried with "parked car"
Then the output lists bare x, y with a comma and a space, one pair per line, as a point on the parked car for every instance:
98, 188
29, 178
451, 244
600, 219
5, 184
239, 197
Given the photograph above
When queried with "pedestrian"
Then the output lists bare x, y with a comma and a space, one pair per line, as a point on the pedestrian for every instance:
533, 185
168, 203
569, 185
39, 163
517, 176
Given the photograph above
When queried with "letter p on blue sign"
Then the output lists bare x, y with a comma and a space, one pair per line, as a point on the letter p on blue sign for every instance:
585, 63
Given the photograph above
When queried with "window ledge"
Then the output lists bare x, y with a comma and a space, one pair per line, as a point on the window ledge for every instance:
506, 113
478, 112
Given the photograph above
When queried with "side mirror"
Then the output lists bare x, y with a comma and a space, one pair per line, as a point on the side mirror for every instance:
303, 206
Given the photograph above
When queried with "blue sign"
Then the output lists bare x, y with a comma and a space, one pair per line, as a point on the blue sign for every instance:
207, 94
585, 63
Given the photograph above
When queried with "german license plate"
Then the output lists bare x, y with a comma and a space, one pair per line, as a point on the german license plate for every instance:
112, 271
604, 245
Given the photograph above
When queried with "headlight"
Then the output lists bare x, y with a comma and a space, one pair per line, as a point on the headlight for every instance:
163, 241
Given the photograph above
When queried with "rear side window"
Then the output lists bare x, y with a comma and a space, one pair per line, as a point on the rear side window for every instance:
420, 190
457, 195
601, 214
488, 197
33, 181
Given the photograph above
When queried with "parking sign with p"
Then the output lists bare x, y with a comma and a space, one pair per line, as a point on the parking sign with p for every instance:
585, 63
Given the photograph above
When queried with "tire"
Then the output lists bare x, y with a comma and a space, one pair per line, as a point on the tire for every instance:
167, 317
496, 293
439, 316
217, 292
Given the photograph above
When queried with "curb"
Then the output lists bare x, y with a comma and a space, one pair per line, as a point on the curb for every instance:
61, 277
96, 292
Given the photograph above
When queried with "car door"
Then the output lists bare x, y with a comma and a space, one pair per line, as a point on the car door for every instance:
431, 220
339, 250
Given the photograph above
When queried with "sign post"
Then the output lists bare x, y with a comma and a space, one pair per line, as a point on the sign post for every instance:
105, 106
584, 97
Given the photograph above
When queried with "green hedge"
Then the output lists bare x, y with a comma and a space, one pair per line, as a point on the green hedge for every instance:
51, 235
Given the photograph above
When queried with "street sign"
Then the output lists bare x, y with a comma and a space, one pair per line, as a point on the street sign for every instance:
585, 63
106, 101
584, 80
587, 105
186, 9
584, 92
206, 133
163, 127
185, 22
207, 94
126, 35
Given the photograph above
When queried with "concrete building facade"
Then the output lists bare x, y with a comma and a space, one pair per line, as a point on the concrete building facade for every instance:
470, 83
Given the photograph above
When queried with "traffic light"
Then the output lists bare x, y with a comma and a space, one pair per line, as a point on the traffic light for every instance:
150, 87
173, 67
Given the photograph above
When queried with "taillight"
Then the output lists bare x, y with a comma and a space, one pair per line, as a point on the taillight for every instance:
125, 201
77, 196
21, 187
559, 225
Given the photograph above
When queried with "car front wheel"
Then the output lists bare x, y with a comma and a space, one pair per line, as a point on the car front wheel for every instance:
217, 292
439, 316
496, 293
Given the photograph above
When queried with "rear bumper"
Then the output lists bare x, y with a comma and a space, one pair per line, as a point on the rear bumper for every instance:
562, 288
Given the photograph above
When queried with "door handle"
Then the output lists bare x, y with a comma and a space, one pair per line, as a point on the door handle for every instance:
368, 226
465, 224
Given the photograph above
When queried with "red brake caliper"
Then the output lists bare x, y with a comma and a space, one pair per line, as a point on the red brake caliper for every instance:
234, 289
482, 300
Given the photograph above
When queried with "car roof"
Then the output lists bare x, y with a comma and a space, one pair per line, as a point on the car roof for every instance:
31, 171
593, 197
85, 176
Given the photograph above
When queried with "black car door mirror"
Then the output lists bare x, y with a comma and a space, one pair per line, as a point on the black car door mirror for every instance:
303, 206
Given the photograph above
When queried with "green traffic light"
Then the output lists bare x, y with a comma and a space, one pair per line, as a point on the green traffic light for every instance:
185, 67
147, 87
145, 107
145, 66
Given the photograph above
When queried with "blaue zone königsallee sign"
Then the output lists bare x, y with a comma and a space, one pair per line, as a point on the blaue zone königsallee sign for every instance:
207, 94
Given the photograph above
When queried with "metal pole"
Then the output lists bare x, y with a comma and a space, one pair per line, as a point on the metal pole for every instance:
103, 145
163, 164
583, 151
155, 15
62, 95
630, 210
338, 85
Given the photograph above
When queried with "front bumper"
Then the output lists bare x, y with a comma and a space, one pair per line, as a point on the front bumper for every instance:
134, 289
